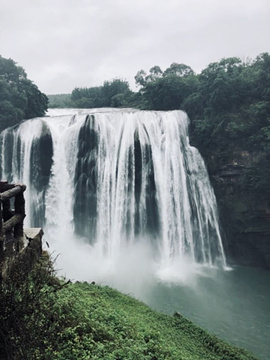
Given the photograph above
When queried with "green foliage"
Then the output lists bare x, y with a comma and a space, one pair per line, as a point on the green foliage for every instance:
42, 318
179, 70
159, 90
169, 92
19, 97
26, 301
59, 101
110, 89
256, 179
230, 108
166, 90
86, 97
140, 78
113, 93
228, 104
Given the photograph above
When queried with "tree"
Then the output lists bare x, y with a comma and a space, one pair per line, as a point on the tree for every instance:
111, 89
155, 73
112, 93
140, 78
166, 90
19, 97
165, 93
231, 106
87, 97
178, 70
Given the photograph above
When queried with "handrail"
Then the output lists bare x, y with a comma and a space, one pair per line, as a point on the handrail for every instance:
12, 192
11, 221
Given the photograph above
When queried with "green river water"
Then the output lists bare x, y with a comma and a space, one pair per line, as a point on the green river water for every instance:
234, 305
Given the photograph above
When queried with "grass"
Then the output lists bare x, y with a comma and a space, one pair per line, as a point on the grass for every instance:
81, 321
110, 325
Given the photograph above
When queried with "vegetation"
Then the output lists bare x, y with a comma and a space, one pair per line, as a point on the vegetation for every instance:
59, 101
166, 90
159, 90
115, 93
231, 108
228, 104
44, 318
19, 97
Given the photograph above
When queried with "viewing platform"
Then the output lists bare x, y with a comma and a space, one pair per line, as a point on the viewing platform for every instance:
16, 243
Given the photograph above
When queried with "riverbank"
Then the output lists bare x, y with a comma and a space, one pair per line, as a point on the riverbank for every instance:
64, 320
125, 328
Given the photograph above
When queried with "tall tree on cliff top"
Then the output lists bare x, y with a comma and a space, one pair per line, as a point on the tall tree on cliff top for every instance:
166, 90
230, 110
19, 97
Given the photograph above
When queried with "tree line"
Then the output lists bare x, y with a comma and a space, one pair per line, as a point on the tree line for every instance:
228, 104
230, 97
157, 91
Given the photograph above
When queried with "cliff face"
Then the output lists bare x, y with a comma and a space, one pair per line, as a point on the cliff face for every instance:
244, 210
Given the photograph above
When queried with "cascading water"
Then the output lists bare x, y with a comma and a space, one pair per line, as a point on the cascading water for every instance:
116, 179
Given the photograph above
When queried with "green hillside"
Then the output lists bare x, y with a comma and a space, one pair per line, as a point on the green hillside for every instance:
44, 318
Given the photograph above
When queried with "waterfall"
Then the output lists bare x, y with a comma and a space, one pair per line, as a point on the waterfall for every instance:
113, 178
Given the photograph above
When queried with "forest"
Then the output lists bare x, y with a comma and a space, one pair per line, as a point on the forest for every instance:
228, 104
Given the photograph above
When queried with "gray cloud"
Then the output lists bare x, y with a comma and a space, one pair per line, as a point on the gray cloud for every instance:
66, 43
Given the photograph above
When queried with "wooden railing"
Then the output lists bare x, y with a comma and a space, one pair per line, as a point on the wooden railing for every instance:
11, 220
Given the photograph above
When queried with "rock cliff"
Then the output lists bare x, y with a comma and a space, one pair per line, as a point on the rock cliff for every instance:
244, 209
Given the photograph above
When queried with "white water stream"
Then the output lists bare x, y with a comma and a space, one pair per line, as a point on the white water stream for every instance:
154, 208
124, 200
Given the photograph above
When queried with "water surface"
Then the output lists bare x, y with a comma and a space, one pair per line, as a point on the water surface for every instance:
233, 305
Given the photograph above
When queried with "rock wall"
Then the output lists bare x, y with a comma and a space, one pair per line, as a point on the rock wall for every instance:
244, 212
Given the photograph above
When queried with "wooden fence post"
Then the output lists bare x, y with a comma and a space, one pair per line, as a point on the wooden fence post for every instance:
11, 229
19, 209
1, 237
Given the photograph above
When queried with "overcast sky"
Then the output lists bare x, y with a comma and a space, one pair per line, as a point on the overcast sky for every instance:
62, 44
